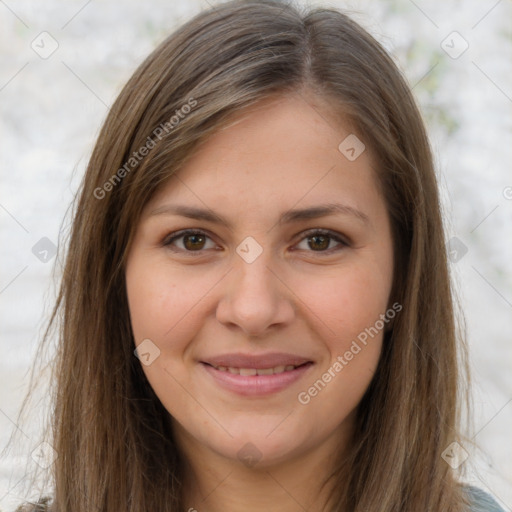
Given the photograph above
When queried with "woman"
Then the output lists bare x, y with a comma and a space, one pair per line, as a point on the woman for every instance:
256, 305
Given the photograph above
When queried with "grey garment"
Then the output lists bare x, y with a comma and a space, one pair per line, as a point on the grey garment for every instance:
481, 501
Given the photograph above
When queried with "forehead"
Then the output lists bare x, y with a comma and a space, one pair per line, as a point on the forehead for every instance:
281, 151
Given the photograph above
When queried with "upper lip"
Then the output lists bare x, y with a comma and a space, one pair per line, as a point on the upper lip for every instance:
262, 361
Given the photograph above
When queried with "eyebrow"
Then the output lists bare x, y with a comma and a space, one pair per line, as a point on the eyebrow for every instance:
287, 217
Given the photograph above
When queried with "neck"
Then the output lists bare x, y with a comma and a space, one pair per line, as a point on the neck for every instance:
214, 483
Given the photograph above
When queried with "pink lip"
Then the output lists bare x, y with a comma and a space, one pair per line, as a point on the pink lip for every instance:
262, 361
256, 385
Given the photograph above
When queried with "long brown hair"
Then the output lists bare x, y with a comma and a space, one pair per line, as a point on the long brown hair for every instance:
115, 449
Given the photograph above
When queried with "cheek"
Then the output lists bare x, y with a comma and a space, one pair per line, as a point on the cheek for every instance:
347, 301
164, 302
349, 305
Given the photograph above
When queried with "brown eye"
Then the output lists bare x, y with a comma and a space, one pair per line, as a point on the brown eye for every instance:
188, 241
320, 240
193, 242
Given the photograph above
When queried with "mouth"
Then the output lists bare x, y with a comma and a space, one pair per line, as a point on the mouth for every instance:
256, 375
257, 371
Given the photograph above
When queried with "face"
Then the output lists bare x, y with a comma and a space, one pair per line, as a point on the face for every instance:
262, 311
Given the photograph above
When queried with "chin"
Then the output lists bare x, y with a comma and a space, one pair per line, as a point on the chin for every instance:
257, 452
255, 443
277, 444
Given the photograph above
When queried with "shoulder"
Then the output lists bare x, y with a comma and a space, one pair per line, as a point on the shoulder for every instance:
480, 501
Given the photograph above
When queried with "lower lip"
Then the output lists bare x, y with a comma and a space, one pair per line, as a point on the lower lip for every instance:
256, 385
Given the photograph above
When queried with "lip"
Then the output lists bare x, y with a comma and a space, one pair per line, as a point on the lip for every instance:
256, 385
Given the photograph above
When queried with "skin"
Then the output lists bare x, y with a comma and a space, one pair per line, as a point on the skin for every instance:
298, 297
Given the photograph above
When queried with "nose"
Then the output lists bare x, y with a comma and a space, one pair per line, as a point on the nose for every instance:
255, 298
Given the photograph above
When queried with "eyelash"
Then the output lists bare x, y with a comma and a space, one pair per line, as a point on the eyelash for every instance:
307, 234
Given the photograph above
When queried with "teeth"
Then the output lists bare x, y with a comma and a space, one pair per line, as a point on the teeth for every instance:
266, 371
256, 371
248, 371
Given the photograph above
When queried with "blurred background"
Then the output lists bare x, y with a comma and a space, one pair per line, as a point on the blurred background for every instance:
63, 64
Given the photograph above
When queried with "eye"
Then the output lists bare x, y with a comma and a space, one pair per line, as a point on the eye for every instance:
319, 240
192, 241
